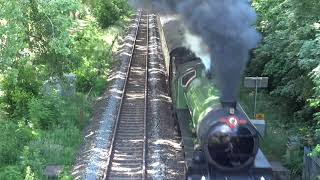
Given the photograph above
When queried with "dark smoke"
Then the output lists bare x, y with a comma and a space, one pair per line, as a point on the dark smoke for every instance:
226, 28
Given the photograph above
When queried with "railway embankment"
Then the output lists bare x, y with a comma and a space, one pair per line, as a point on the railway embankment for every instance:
164, 156
91, 160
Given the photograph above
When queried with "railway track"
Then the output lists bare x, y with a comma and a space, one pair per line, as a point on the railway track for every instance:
127, 155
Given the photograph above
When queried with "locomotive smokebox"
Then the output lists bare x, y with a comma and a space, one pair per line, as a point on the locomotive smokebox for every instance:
228, 140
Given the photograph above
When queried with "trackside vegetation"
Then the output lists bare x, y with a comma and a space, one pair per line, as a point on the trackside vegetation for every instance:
290, 55
43, 41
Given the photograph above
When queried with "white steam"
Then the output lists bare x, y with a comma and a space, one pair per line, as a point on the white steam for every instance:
196, 44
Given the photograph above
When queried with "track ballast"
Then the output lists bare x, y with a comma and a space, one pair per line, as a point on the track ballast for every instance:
127, 158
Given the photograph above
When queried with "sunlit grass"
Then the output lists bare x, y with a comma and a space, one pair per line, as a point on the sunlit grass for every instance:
112, 35
275, 140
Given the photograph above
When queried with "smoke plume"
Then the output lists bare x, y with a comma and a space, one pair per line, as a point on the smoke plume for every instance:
195, 44
224, 26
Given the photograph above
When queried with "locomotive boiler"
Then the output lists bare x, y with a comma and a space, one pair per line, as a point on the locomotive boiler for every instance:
219, 140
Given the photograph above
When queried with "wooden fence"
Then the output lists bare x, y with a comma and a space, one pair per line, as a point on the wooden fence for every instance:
311, 169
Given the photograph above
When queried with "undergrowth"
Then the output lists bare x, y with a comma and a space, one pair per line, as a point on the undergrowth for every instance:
280, 127
41, 126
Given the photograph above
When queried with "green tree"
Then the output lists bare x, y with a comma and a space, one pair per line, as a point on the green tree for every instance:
287, 54
111, 11
35, 45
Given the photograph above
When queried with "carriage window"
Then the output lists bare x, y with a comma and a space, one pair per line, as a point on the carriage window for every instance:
188, 77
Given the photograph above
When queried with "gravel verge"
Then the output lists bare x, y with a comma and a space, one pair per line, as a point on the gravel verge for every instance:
165, 156
91, 160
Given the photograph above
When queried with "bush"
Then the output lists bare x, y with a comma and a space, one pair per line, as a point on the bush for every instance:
107, 13
20, 84
110, 11
76, 111
11, 173
32, 163
46, 129
52, 111
100, 85
86, 78
123, 6
56, 147
45, 112
294, 162
12, 139
95, 56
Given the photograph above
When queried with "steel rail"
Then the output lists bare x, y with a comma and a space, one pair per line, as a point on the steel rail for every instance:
122, 97
111, 152
144, 172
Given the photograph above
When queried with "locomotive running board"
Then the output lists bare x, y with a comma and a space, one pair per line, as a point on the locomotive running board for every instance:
184, 118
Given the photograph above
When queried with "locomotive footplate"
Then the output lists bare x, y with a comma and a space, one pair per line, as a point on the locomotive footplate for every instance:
198, 169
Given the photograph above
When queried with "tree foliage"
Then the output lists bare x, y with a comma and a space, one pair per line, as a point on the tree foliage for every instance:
109, 12
290, 56
41, 40
35, 45
289, 52
37, 30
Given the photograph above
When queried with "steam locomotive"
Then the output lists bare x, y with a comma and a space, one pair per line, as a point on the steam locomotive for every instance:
219, 140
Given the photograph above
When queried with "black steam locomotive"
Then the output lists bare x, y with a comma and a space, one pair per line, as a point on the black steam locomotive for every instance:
220, 142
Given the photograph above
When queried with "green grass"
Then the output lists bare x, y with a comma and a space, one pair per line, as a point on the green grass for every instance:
28, 149
113, 34
280, 127
274, 142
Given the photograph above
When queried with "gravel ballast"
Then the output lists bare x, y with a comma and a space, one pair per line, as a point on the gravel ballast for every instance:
164, 152
91, 161
165, 156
